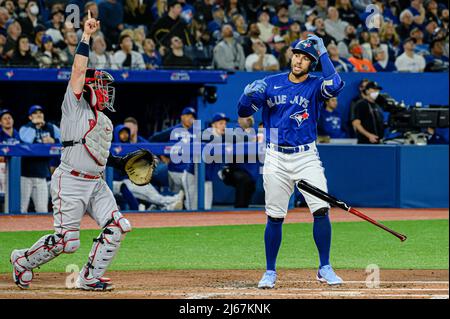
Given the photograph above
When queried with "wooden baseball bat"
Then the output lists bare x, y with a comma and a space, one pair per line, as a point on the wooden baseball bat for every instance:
305, 186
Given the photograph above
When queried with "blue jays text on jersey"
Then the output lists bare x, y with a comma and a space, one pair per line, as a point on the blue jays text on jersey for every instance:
290, 111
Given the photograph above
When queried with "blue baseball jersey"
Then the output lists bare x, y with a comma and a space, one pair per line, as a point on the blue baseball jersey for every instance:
293, 109
330, 124
5, 138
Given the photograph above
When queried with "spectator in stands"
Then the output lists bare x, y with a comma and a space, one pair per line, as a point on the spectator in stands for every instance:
48, 57
228, 53
4, 17
311, 16
409, 61
284, 58
8, 135
56, 21
406, 24
240, 26
126, 58
351, 114
319, 25
99, 58
202, 50
171, 25
151, 56
279, 43
282, 20
111, 16
252, 36
159, 9
22, 54
31, 20
389, 35
372, 45
138, 39
321, 8
368, 121
350, 37
180, 174
233, 7
334, 25
147, 193
421, 47
340, 64
347, 13
137, 12
71, 40
21, 7
91, 6
203, 10
330, 120
14, 30
418, 11
297, 11
260, 60
360, 64
294, 32
217, 22
55, 27
265, 28
381, 63
35, 170
361, 5
133, 126
176, 57
436, 61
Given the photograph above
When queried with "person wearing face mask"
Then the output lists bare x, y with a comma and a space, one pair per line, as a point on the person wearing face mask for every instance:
31, 20
368, 121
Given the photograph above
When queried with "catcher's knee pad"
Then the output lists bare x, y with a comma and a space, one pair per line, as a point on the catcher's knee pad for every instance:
106, 246
49, 247
321, 212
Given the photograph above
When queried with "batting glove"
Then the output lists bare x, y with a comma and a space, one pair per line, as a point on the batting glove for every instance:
319, 42
259, 86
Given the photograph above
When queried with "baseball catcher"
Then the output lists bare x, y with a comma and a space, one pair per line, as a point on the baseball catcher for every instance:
77, 185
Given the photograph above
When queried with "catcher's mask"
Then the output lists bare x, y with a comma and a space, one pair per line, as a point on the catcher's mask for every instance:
98, 91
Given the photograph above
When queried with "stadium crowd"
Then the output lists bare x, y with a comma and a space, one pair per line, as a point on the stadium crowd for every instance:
406, 36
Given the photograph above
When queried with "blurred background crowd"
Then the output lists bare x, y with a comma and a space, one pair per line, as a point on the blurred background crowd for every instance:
407, 36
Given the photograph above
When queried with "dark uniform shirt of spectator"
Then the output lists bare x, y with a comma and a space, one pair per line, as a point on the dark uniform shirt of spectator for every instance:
371, 117
37, 166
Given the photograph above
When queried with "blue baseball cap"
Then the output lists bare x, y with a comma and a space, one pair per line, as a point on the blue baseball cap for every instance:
35, 108
189, 110
218, 117
46, 38
5, 111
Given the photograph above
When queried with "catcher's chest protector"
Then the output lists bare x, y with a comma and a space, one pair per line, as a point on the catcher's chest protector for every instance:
98, 138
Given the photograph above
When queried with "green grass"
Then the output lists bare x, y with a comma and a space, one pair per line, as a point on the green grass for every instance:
355, 245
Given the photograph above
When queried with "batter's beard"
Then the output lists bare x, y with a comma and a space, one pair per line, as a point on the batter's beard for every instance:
298, 75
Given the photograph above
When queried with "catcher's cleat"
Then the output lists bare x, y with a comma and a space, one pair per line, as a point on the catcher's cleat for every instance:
101, 284
327, 274
22, 277
178, 203
268, 280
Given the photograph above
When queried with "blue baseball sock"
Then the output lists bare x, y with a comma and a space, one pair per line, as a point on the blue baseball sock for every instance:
272, 240
322, 238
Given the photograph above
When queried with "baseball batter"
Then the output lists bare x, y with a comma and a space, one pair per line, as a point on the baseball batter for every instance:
290, 103
77, 185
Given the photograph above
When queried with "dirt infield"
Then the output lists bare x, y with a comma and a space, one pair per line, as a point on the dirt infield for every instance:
143, 220
240, 284
235, 284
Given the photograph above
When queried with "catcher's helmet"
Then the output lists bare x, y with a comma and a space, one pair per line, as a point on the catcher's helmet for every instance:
307, 47
98, 91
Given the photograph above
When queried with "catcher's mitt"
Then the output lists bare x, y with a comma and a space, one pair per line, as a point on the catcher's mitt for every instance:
139, 166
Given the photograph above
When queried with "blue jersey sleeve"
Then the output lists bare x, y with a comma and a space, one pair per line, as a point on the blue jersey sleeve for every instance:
332, 83
248, 105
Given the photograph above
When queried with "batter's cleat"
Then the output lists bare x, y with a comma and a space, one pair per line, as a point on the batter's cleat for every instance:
327, 274
22, 277
268, 280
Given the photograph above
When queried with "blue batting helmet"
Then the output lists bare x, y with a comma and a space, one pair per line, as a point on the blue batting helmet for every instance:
307, 47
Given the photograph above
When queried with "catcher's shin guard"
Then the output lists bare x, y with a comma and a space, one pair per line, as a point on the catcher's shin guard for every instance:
45, 249
104, 249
